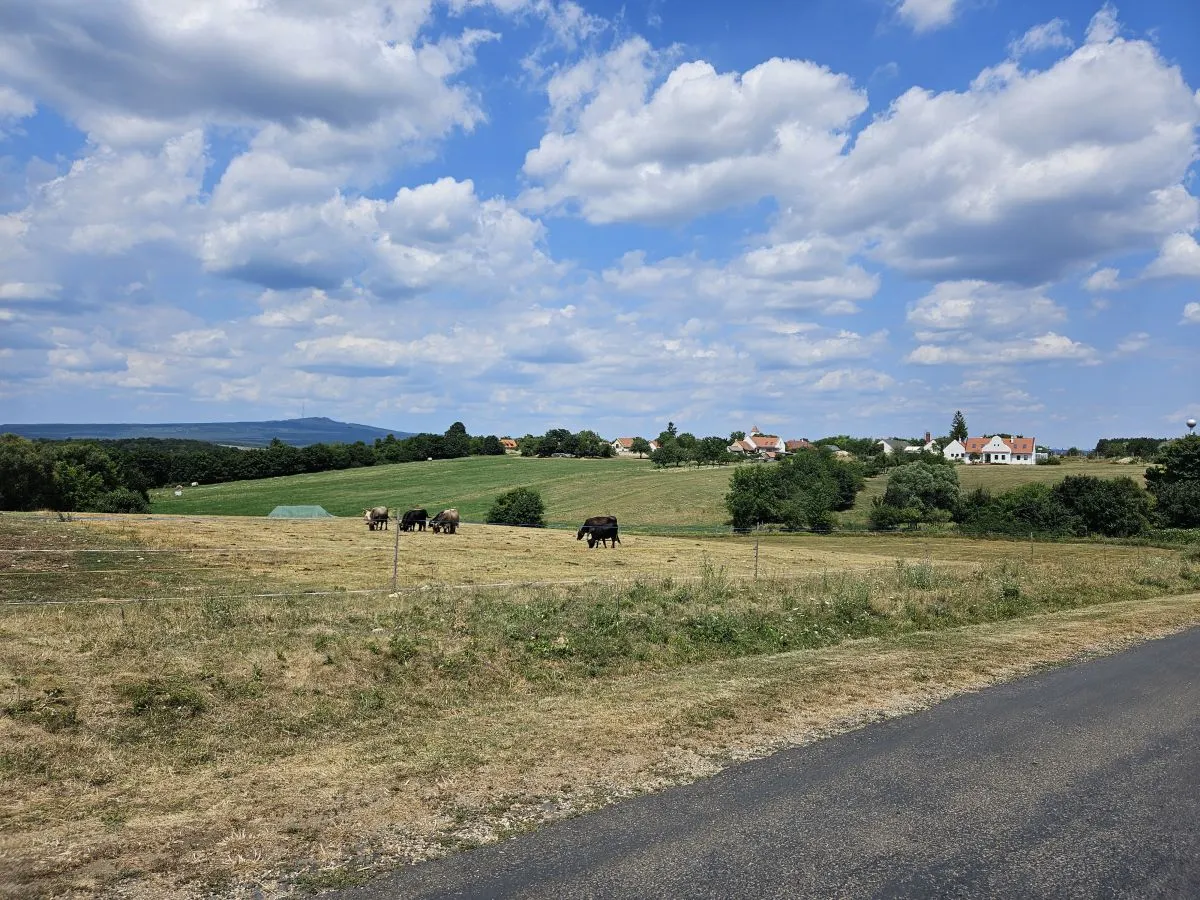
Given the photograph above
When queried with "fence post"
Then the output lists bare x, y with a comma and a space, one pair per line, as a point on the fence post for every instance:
756, 528
396, 557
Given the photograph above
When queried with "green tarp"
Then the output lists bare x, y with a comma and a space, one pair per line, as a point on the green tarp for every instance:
299, 512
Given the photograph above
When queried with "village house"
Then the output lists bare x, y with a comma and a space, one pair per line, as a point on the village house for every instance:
929, 445
623, 446
891, 445
509, 445
997, 449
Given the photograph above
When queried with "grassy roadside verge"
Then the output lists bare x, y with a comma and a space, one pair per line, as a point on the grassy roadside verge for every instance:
174, 748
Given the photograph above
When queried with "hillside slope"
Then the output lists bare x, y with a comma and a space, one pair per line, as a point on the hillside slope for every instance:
572, 489
297, 432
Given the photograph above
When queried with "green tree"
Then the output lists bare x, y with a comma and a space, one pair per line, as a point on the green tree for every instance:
520, 506
640, 446
923, 486
958, 429
711, 451
1175, 483
735, 436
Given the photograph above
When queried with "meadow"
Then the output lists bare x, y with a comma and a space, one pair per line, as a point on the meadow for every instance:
573, 489
245, 707
639, 495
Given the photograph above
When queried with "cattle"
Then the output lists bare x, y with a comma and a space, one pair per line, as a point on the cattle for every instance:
593, 527
414, 519
446, 520
376, 517
601, 534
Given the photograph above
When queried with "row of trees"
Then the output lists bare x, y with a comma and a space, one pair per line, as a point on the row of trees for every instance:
679, 449
1118, 448
104, 475
564, 441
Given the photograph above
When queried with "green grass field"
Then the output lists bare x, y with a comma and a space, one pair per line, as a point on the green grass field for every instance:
573, 489
631, 489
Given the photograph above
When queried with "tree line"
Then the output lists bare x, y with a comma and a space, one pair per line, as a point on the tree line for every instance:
116, 475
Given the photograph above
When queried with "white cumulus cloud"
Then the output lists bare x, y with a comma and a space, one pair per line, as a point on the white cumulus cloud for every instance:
927, 15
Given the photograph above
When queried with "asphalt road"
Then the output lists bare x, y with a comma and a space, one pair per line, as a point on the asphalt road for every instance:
1078, 782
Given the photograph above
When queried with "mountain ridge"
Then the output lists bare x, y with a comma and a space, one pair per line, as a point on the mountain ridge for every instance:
297, 432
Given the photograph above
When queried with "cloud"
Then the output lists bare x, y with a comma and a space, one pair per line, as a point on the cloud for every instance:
853, 381
813, 273
976, 307
1179, 257
1047, 36
1191, 314
430, 236
126, 68
1048, 347
622, 148
1023, 177
1133, 343
1107, 279
927, 15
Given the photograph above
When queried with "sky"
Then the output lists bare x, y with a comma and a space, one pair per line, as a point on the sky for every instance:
817, 217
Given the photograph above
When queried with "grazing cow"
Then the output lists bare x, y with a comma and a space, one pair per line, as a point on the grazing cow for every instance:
601, 534
414, 518
446, 520
376, 517
589, 529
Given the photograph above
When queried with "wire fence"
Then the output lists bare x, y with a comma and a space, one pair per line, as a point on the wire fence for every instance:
36, 574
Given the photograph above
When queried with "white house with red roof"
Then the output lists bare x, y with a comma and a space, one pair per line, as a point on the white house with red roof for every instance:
997, 449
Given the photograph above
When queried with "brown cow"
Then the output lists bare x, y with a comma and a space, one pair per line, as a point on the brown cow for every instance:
446, 520
376, 517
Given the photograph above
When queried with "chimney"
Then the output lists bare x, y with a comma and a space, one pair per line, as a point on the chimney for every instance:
928, 438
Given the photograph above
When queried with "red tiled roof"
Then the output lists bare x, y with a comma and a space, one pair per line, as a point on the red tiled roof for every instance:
509, 443
975, 445
627, 443
1020, 445
796, 445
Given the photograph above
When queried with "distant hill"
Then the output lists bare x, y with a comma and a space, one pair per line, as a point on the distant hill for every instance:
297, 432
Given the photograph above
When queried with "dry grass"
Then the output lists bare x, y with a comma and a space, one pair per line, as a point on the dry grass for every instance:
171, 748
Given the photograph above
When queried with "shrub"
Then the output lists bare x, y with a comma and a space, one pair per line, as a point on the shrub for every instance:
1031, 507
795, 492
1115, 507
121, 500
520, 506
1178, 504
923, 486
884, 516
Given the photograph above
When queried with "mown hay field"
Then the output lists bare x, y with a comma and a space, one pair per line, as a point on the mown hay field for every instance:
229, 732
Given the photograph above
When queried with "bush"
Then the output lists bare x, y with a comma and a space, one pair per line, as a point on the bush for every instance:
122, 500
1115, 507
884, 516
923, 486
1050, 461
1031, 507
1178, 504
520, 506
796, 492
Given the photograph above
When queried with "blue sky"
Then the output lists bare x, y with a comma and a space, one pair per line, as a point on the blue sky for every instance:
817, 217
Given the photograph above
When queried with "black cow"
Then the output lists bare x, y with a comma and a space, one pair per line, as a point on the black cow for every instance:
595, 526
601, 534
414, 518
